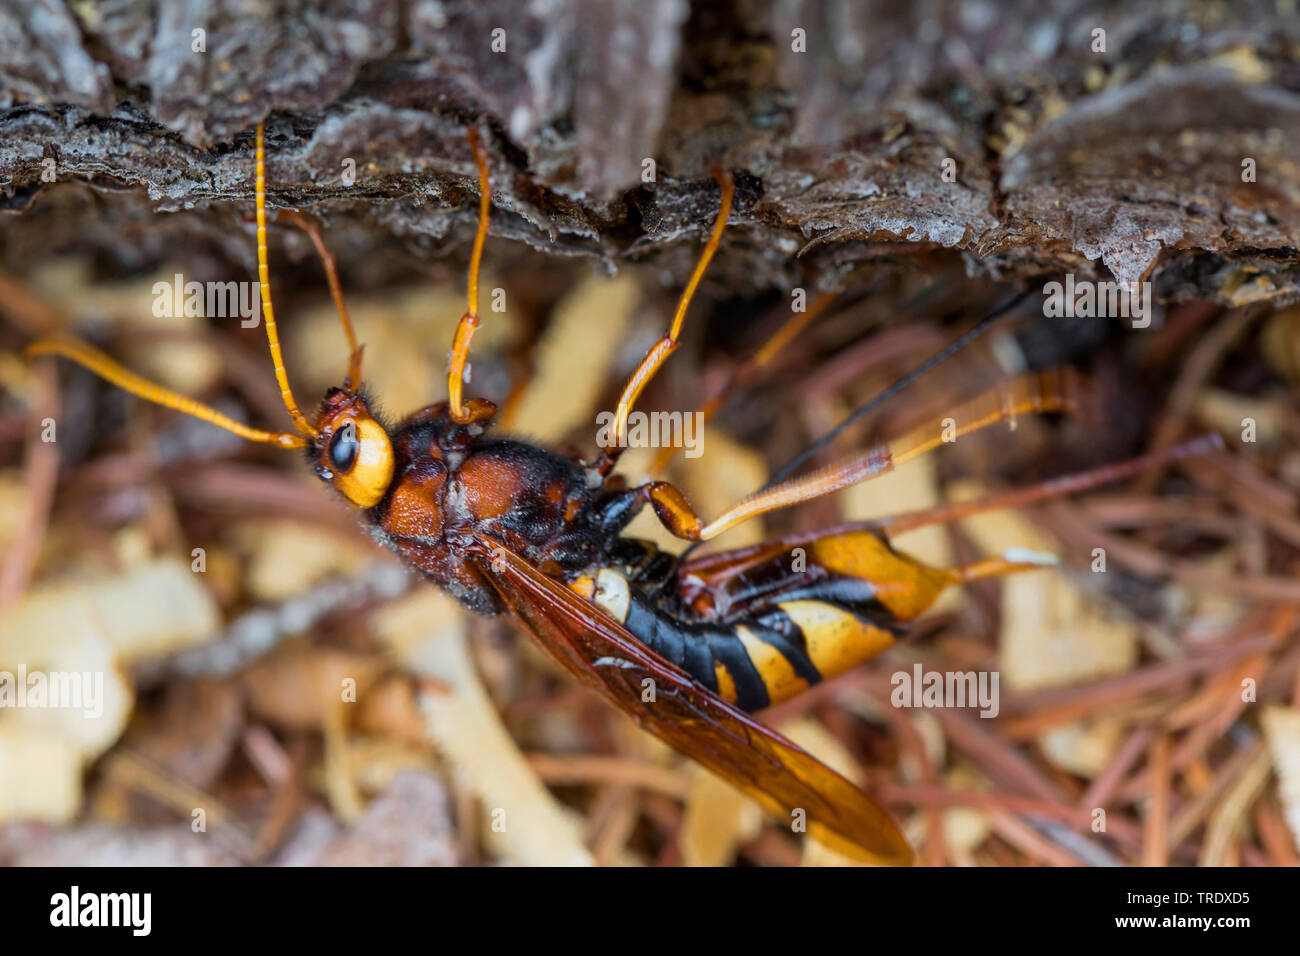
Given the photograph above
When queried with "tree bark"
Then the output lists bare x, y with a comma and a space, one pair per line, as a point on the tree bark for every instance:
1030, 138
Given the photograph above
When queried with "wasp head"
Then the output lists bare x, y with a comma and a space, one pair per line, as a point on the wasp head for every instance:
352, 450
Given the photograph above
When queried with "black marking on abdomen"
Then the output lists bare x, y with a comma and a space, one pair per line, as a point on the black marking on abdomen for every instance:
699, 647
696, 648
775, 627
853, 595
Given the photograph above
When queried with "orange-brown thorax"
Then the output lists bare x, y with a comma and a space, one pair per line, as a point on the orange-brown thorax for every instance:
431, 487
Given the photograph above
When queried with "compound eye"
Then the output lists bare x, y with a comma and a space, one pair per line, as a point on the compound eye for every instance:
343, 448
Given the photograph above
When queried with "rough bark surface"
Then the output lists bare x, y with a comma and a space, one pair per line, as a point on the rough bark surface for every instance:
840, 119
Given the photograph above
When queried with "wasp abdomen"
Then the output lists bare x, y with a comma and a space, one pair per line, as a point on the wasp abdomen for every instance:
767, 654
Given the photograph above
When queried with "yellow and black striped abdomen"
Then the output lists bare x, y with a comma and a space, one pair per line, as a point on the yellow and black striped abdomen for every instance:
775, 643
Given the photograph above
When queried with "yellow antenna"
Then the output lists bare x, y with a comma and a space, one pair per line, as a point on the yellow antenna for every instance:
264, 280
469, 321
103, 366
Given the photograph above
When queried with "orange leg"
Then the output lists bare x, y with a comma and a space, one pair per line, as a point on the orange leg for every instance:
665, 347
469, 321
708, 570
746, 373
1050, 391
947, 352
1052, 488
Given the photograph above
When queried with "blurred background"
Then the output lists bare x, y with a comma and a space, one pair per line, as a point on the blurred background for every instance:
276, 689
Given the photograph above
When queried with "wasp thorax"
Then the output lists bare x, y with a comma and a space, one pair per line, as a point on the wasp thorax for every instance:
353, 451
